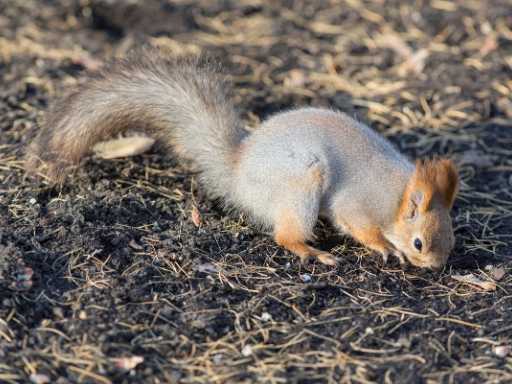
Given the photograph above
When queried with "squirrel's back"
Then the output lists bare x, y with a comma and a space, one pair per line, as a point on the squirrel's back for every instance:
360, 167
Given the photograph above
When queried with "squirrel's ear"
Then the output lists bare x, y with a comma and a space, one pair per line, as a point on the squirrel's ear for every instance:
447, 179
415, 200
439, 181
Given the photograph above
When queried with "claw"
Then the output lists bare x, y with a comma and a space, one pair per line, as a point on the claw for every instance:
400, 256
303, 259
385, 256
327, 259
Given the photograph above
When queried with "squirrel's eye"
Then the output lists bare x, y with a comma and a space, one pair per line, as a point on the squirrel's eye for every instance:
418, 244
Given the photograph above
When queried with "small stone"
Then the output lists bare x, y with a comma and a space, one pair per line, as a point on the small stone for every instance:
217, 359
265, 316
306, 278
295, 78
39, 378
501, 350
247, 351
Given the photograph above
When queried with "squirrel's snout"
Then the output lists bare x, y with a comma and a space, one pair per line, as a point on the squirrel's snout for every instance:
437, 263
437, 267
433, 263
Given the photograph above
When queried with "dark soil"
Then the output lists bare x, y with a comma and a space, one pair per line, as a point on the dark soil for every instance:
111, 265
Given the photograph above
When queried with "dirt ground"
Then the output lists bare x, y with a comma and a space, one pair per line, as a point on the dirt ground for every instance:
108, 280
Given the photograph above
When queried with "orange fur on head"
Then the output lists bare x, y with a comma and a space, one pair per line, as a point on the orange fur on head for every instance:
433, 182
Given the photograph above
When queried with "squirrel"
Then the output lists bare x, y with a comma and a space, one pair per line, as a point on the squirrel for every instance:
297, 166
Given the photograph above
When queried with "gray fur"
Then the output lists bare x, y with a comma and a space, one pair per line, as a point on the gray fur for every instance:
360, 168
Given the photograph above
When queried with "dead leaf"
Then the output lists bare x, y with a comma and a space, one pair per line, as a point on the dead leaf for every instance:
196, 216
123, 147
475, 281
128, 363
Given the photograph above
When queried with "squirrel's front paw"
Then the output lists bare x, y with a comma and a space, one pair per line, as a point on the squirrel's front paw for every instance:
400, 256
327, 259
305, 252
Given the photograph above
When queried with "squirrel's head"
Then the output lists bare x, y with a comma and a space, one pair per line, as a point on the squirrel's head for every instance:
423, 230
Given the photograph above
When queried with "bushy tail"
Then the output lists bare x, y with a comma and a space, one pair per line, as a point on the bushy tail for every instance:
181, 101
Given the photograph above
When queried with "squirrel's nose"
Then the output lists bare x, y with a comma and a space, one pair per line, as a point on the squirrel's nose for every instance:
437, 266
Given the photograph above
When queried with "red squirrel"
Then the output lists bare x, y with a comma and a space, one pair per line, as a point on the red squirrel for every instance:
297, 166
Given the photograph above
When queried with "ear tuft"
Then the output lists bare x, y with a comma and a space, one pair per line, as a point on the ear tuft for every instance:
447, 180
438, 179
417, 197
433, 182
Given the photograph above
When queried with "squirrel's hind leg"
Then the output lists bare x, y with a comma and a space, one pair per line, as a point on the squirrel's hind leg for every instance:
294, 221
289, 234
294, 199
